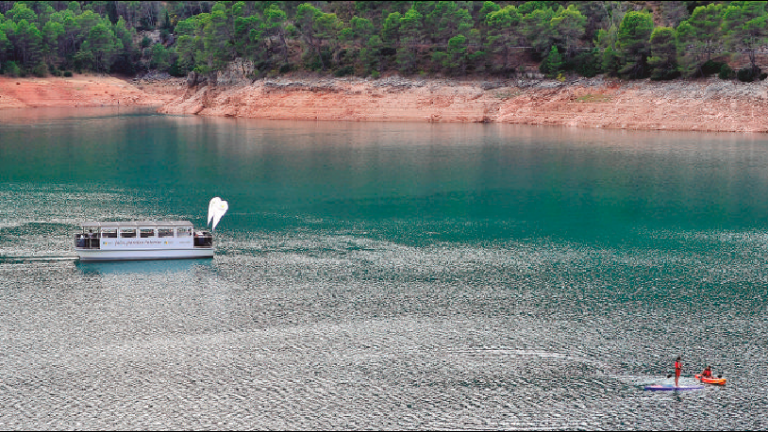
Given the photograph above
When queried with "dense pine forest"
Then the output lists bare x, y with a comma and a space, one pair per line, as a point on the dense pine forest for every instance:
660, 40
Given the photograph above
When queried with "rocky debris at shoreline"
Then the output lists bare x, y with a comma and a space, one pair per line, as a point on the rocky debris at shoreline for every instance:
151, 76
327, 85
154, 78
409, 83
702, 89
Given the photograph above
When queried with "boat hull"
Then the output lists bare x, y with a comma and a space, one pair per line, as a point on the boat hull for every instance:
142, 254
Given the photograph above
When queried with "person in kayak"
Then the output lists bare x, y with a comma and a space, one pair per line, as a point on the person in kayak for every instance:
678, 369
707, 372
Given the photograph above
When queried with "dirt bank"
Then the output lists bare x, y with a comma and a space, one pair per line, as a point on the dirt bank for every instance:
85, 91
703, 105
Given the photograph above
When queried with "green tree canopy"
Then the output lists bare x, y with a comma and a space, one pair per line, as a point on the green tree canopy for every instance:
503, 33
28, 41
21, 11
161, 58
663, 59
103, 45
552, 64
746, 27
411, 31
699, 37
537, 28
568, 26
633, 43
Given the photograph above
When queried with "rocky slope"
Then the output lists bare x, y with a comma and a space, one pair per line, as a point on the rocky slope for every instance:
702, 105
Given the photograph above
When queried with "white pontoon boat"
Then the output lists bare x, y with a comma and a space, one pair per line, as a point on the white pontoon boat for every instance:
113, 241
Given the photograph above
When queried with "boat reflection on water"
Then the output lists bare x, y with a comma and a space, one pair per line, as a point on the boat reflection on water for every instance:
144, 267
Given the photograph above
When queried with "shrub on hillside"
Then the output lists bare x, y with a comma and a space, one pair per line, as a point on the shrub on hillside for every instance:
552, 64
11, 69
665, 75
587, 64
725, 72
177, 70
711, 67
346, 70
67, 74
123, 64
747, 74
40, 70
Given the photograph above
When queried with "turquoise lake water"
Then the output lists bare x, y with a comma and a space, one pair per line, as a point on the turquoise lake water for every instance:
382, 275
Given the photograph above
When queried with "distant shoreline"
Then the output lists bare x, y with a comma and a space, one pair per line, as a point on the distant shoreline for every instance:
707, 105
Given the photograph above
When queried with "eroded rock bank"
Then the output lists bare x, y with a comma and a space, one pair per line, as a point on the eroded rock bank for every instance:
701, 105
87, 91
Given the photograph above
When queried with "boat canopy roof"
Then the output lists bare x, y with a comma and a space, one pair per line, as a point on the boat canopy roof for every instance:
135, 224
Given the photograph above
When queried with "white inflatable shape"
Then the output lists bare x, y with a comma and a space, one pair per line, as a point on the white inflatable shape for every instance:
211, 208
216, 209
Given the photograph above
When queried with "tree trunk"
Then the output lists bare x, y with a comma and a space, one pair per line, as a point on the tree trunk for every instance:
285, 47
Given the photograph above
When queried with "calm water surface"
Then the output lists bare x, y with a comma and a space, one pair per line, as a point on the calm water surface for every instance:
382, 276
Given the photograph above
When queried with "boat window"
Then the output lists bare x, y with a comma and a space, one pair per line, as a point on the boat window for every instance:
165, 232
147, 232
127, 232
109, 233
183, 232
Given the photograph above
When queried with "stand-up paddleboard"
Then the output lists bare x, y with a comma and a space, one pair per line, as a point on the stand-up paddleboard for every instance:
670, 387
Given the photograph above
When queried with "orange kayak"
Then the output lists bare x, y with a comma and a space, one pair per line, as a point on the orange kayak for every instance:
715, 381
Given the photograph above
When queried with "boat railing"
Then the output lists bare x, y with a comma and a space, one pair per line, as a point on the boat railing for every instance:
87, 241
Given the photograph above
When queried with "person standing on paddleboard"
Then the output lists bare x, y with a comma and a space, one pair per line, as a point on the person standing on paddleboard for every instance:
678, 369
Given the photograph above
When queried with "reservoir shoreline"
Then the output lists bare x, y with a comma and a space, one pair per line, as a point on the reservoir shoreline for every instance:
705, 105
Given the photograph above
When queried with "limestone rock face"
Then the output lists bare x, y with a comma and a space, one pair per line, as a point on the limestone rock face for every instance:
236, 73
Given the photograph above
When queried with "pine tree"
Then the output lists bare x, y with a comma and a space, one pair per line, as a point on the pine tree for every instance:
217, 40
552, 64
568, 26
411, 36
274, 23
52, 36
456, 61
746, 27
28, 41
102, 42
633, 43
538, 29
503, 33
663, 57
699, 37
161, 58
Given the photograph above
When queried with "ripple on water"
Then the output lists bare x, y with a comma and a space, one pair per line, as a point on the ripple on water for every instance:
326, 331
